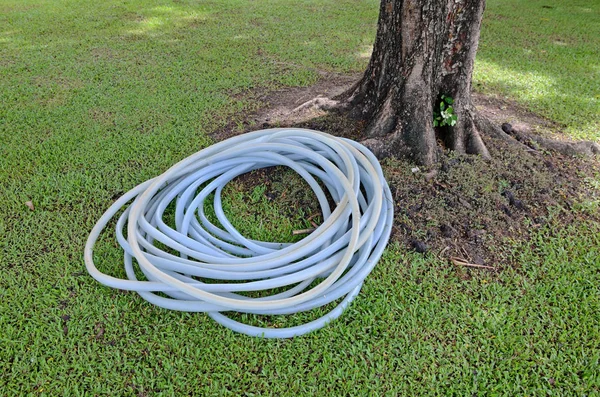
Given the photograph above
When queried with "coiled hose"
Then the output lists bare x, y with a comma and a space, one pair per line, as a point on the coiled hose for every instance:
339, 254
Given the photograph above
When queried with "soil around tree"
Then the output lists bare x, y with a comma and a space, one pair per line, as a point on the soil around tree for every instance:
464, 207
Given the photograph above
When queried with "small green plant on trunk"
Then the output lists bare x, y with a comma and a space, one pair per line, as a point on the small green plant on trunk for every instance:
444, 115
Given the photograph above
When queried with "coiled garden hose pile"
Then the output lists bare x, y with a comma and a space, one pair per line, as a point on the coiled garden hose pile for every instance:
339, 254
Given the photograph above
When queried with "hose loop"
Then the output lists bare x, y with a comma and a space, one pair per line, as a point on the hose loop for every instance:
339, 254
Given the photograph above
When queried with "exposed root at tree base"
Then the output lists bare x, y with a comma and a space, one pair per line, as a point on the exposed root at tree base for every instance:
384, 147
534, 143
583, 148
318, 103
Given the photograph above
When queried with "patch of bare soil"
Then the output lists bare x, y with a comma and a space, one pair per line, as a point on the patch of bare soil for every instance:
501, 111
465, 207
278, 106
281, 105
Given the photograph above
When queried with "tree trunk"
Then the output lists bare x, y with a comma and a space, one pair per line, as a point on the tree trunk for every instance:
424, 49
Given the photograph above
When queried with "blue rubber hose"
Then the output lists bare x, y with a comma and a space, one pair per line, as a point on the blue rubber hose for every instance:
339, 254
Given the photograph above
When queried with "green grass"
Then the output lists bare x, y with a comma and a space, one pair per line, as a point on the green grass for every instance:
544, 55
97, 97
418, 326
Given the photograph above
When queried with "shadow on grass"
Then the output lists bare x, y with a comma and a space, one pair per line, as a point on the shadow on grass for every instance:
544, 55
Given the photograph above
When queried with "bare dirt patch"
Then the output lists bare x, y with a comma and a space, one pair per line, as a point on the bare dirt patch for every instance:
277, 106
281, 104
502, 111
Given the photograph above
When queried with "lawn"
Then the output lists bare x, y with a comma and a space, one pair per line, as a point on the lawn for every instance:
98, 97
544, 55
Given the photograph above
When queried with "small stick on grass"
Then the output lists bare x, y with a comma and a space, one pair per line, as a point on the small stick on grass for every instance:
461, 262
313, 216
303, 231
442, 251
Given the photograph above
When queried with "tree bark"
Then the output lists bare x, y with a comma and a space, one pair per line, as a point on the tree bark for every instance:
424, 49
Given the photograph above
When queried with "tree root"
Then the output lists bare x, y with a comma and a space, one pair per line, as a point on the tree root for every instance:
474, 142
391, 144
533, 143
584, 148
485, 126
318, 103
382, 148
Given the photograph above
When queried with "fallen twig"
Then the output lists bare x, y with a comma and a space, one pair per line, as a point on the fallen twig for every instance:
461, 262
313, 216
442, 251
303, 231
